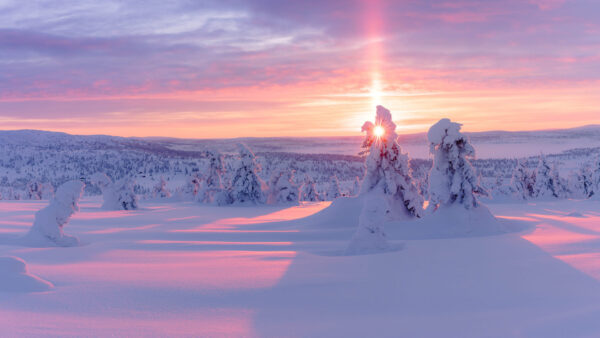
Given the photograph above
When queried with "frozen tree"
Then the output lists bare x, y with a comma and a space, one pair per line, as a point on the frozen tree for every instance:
246, 186
160, 189
49, 222
522, 182
581, 182
547, 183
213, 185
308, 191
452, 180
47, 191
356, 187
596, 179
118, 195
386, 168
333, 190
190, 189
282, 188
34, 190
370, 235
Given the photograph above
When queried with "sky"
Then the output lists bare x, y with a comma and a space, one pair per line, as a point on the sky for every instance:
224, 68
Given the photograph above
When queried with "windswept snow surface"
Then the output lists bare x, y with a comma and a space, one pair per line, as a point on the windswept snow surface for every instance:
183, 269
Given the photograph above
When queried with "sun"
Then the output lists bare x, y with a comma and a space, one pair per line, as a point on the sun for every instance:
378, 131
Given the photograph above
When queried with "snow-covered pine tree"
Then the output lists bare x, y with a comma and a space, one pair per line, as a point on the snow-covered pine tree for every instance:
546, 180
49, 222
246, 185
386, 168
282, 188
581, 182
160, 189
333, 190
356, 187
308, 191
452, 180
190, 189
596, 179
34, 190
118, 195
521, 182
213, 184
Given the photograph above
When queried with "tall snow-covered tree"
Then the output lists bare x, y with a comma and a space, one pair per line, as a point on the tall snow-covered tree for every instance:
308, 191
452, 179
333, 190
246, 185
581, 182
386, 168
191, 188
522, 182
282, 188
49, 222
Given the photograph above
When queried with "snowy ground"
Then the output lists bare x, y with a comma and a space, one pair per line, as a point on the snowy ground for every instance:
185, 269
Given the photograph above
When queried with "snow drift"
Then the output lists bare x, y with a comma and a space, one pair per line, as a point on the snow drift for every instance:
15, 278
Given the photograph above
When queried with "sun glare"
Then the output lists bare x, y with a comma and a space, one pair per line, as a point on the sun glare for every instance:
378, 131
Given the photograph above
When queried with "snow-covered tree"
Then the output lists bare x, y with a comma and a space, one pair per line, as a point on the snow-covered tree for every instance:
49, 222
596, 179
522, 182
333, 190
370, 235
308, 191
160, 189
282, 188
581, 182
246, 185
356, 187
213, 185
118, 195
386, 168
547, 183
190, 190
34, 190
452, 180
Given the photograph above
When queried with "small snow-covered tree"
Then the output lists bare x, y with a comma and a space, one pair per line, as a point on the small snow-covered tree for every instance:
160, 189
581, 182
246, 185
190, 190
521, 182
386, 168
118, 195
333, 190
282, 188
308, 191
452, 179
596, 179
370, 234
34, 190
49, 222
546, 180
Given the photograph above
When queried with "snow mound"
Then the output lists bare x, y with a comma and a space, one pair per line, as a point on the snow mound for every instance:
370, 236
343, 212
575, 214
15, 278
450, 221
